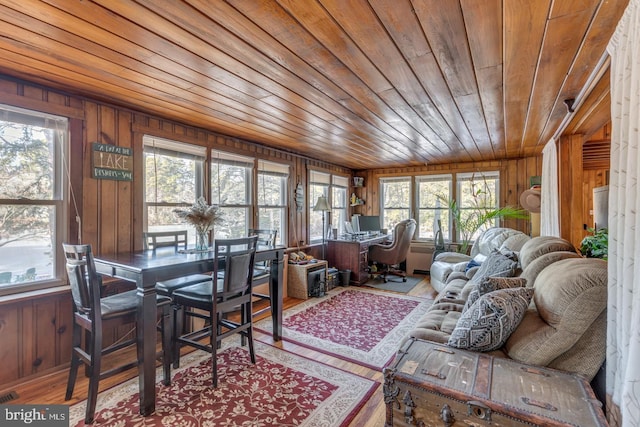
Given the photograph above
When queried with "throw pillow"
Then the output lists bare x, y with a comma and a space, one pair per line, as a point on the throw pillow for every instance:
497, 264
490, 284
489, 322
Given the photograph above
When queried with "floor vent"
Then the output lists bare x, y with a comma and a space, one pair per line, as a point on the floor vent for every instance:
7, 397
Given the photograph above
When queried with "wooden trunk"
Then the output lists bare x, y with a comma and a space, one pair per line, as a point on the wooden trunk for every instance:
435, 385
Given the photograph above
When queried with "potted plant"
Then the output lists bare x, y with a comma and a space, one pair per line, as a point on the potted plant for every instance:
596, 245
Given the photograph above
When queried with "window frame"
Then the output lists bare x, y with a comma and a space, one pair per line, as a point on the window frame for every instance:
447, 229
339, 211
318, 180
59, 200
219, 157
265, 167
461, 178
153, 146
384, 220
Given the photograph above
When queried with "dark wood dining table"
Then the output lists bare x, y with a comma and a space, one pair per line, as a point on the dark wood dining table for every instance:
145, 268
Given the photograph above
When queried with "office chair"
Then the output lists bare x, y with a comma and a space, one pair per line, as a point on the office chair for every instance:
388, 257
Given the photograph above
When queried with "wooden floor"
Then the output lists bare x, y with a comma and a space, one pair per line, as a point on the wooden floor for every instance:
51, 388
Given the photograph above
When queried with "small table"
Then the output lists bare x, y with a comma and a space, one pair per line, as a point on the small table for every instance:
145, 268
298, 275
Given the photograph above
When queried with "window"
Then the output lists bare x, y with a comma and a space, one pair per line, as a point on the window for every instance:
433, 193
338, 202
272, 197
231, 177
318, 186
477, 192
395, 196
32, 198
173, 174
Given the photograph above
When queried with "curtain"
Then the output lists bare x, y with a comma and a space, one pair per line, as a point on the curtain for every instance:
549, 211
623, 315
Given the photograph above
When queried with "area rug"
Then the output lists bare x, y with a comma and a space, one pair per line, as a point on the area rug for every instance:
282, 389
361, 325
394, 284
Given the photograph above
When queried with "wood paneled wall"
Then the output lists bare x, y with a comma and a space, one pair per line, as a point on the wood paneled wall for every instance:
577, 181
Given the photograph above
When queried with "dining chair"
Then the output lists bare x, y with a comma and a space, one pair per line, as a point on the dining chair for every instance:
262, 270
178, 240
93, 314
158, 239
232, 276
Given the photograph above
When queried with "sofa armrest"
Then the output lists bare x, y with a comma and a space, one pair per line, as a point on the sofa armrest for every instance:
452, 257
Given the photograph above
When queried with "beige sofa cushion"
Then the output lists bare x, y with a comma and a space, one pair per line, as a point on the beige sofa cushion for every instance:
569, 296
490, 239
537, 265
438, 323
515, 242
588, 353
541, 245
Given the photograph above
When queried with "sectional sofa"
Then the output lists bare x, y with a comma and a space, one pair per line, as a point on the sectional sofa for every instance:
543, 304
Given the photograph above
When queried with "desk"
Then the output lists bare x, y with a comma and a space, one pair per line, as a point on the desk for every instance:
145, 268
352, 255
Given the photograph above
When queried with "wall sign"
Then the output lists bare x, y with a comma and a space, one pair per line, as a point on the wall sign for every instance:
111, 162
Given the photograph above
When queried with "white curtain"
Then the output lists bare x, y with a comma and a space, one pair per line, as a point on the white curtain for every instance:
623, 322
549, 211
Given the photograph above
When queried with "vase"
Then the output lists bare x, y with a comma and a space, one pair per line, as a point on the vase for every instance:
202, 240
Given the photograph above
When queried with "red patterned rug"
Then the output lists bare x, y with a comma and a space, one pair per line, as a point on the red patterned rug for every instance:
361, 325
282, 389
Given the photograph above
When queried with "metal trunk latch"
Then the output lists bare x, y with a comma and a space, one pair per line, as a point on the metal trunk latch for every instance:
446, 415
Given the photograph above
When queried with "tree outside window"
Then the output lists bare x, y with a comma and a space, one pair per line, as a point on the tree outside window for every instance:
477, 193
396, 200
432, 193
173, 173
339, 202
318, 186
272, 197
231, 184
31, 198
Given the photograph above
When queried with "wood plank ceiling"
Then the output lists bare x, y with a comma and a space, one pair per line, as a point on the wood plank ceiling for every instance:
360, 83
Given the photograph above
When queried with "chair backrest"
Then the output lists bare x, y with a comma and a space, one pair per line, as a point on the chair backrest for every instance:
402, 235
158, 239
83, 279
237, 258
266, 237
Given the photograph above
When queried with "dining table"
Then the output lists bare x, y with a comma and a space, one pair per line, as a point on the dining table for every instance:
145, 268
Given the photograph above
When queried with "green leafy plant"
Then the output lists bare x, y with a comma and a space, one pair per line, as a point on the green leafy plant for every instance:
481, 213
473, 220
596, 245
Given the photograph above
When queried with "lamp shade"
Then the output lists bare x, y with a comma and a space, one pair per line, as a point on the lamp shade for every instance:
322, 205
